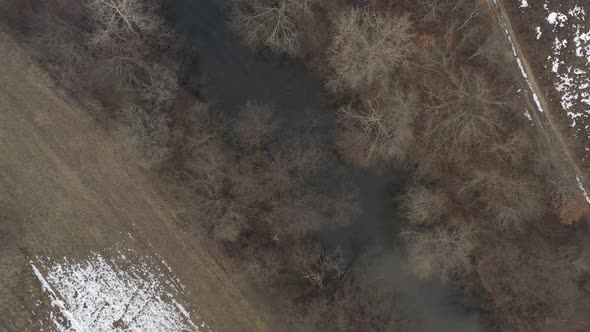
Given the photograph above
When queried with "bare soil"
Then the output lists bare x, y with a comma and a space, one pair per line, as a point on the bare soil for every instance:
66, 189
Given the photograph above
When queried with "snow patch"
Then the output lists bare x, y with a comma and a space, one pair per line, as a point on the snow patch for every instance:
121, 292
571, 81
522, 69
584, 192
557, 19
57, 303
528, 115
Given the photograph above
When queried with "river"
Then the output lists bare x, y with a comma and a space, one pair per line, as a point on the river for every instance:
236, 74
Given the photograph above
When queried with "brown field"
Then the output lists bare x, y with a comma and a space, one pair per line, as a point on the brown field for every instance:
66, 189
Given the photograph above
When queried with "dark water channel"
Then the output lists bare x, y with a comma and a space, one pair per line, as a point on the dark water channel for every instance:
235, 75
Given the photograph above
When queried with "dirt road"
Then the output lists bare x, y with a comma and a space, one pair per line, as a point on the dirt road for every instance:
67, 190
537, 98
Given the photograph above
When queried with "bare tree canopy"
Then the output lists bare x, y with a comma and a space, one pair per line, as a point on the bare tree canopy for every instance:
123, 19
424, 205
272, 23
367, 47
387, 124
147, 134
510, 201
465, 117
256, 124
441, 251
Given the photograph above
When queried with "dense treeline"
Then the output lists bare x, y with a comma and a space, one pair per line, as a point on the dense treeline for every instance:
428, 86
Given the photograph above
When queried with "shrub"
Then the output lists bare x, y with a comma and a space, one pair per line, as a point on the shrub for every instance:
550, 162
515, 150
352, 145
229, 224
147, 134
62, 43
574, 211
318, 266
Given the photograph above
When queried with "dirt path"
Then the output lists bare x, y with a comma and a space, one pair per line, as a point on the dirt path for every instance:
536, 96
66, 190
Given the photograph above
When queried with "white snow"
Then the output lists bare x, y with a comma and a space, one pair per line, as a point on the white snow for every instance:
557, 19
56, 302
528, 115
524, 3
120, 293
576, 12
571, 81
523, 71
581, 186
539, 33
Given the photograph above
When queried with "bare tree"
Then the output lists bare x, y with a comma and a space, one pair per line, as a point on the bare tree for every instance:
122, 20
367, 48
462, 119
320, 266
440, 251
387, 124
539, 282
272, 23
433, 8
352, 145
574, 211
515, 150
147, 134
305, 159
256, 125
490, 46
10, 12
62, 43
473, 9
424, 205
550, 163
206, 172
206, 167
510, 201
155, 83
564, 193
160, 84
228, 224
